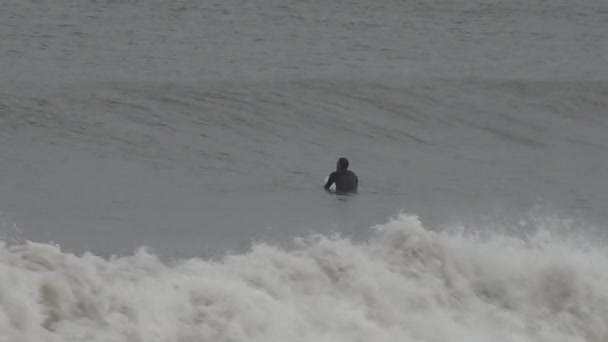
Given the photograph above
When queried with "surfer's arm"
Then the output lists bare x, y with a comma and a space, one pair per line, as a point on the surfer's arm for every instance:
330, 181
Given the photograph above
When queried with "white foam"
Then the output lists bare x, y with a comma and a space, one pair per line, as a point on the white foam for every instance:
405, 284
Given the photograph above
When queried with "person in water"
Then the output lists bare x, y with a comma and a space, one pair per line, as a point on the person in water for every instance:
346, 181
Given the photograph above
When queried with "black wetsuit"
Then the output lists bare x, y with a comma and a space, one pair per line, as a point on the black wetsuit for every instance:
346, 181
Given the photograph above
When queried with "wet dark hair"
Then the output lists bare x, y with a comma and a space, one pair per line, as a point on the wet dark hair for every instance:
343, 162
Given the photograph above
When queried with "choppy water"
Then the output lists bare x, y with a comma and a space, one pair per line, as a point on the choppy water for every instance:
195, 128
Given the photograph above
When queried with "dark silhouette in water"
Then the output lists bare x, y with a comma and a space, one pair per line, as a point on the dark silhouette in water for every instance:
346, 181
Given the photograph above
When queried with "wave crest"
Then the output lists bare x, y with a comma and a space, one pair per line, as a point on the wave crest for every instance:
405, 283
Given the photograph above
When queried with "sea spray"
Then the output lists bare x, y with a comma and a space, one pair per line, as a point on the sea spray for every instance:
405, 283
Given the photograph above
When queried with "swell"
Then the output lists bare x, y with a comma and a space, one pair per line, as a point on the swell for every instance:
528, 114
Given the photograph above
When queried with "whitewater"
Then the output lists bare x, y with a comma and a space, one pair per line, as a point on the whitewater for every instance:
162, 163
406, 283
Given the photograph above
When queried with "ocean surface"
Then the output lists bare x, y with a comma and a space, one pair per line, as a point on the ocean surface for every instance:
162, 164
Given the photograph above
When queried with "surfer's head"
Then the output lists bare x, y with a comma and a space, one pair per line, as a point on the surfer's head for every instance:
342, 164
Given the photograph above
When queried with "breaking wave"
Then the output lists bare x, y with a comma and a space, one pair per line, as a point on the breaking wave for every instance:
405, 283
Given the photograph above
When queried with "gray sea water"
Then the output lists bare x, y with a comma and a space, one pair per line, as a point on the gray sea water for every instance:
196, 128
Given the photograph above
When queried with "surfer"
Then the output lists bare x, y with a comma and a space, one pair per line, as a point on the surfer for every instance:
346, 181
